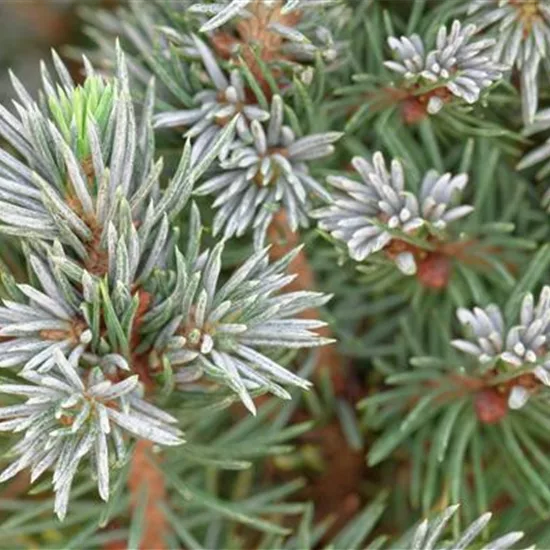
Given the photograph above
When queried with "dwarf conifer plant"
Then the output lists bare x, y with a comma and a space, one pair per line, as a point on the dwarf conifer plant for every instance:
275, 274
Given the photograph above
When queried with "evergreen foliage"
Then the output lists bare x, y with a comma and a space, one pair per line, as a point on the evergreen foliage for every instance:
281, 279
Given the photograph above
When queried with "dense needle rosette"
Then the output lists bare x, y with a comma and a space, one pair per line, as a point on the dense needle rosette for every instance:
268, 173
369, 214
71, 415
215, 107
233, 332
522, 39
43, 321
458, 63
86, 174
518, 346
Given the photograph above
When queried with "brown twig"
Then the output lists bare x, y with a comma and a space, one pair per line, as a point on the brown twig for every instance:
256, 32
144, 472
19, 485
52, 25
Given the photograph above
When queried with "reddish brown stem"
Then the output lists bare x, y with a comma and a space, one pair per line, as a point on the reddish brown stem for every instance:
144, 472
19, 485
